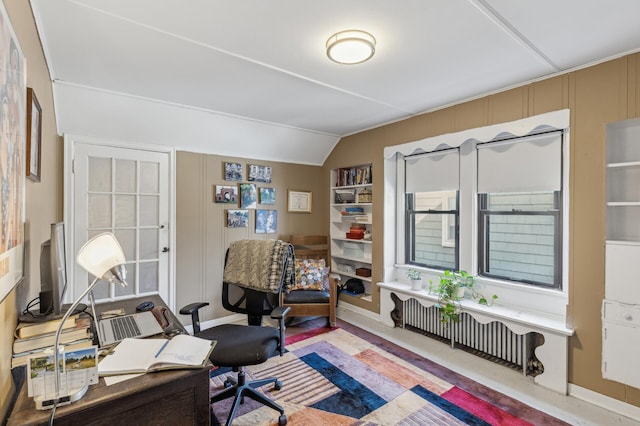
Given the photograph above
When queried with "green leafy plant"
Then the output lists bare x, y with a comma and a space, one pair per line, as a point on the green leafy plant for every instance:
414, 274
449, 294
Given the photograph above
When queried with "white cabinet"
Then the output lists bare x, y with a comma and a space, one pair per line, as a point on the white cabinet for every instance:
350, 224
621, 306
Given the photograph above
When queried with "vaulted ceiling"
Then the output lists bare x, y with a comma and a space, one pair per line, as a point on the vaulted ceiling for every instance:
251, 78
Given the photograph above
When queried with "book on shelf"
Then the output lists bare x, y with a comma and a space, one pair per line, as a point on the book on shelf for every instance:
45, 340
146, 355
25, 329
22, 358
353, 176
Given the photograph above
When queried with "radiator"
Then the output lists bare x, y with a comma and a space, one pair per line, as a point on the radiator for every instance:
493, 341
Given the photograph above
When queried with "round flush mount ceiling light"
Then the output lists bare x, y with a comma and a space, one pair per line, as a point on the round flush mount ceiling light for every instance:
351, 47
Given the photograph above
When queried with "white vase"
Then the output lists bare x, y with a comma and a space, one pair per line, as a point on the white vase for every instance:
416, 284
460, 293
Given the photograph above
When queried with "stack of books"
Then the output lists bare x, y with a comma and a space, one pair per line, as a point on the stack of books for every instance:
33, 338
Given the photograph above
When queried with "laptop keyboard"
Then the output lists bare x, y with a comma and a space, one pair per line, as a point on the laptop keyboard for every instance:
124, 327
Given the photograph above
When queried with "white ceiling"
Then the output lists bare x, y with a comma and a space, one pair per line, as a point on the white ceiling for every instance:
250, 78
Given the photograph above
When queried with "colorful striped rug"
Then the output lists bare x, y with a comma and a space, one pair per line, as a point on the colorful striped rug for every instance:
346, 376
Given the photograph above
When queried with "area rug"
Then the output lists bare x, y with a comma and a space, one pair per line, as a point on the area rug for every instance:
346, 376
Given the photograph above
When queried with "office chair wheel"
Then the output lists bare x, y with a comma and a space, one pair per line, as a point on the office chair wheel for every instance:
277, 386
282, 420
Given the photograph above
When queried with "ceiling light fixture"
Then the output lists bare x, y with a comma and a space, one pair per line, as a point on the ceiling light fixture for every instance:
351, 47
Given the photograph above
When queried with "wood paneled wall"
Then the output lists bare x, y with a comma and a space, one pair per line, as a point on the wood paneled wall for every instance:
596, 96
43, 199
202, 234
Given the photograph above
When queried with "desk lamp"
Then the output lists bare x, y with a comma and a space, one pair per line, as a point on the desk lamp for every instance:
102, 257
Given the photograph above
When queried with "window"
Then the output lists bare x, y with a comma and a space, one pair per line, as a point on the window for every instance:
431, 213
507, 199
519, 210
519, 237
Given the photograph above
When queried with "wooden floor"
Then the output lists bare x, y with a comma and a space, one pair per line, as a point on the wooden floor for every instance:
302, 325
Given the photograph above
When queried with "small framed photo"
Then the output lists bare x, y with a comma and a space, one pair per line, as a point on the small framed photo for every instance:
259, 173
34, 136
266, 221
226, 194
237, 218
248, 196
299, 201
233, 172
267, 195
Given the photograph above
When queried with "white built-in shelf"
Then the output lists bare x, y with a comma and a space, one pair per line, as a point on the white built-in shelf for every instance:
351, 204
623, 203
364, 185
350, 275
624, 164
351, 240
351, 258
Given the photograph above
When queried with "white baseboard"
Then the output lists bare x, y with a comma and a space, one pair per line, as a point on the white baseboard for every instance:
605, 402
342, 306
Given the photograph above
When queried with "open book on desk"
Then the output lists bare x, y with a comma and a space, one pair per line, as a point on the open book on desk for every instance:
146, 355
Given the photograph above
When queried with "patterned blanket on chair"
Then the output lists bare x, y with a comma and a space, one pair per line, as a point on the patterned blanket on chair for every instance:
260, 264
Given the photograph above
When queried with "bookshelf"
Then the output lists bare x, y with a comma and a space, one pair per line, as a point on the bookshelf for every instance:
351, 227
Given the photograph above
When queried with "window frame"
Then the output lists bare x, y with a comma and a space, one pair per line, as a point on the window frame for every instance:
512, 294
410, 227
483, 241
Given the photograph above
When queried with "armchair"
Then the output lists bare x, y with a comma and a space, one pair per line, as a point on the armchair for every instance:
239, 346
318, 301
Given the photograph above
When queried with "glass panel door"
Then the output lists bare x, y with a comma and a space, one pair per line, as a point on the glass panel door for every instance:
124, 191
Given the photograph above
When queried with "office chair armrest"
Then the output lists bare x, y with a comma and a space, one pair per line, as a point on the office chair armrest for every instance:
193, 309
280, 312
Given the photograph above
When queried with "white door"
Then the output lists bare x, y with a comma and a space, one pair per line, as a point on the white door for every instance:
127, 192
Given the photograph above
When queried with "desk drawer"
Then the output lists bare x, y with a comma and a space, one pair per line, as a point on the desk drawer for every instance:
621, 313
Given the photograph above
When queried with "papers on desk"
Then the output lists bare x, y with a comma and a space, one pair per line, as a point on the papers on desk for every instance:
146, 355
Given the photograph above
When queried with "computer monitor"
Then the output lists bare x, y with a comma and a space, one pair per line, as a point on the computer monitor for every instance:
53, 272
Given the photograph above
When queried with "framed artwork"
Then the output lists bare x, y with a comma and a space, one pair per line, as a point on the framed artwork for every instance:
259, 173
299, 201
226, 194
266, 221
267, 195
248, 196
237, 218
13, 122
34, 136
233, 171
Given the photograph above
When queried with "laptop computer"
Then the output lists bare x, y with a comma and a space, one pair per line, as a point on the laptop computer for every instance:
114, 329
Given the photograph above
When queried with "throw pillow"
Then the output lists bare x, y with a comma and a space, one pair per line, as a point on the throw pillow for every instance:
309, 274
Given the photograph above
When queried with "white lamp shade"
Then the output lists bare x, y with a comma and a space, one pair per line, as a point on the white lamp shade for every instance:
351, 47
100, 254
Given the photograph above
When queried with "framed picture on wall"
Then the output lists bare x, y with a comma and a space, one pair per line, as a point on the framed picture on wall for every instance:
259, 173
226, 194
13, 140
266, 221
238, 218
299, 201
34, 136
233, 171
248, 196
267, 195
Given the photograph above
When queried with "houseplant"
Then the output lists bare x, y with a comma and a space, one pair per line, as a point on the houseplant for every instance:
415, 277
451, 289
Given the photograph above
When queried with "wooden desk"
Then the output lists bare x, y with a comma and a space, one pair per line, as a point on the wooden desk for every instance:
166, 397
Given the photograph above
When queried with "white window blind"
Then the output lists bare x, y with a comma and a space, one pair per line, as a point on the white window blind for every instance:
437, 171
528, 164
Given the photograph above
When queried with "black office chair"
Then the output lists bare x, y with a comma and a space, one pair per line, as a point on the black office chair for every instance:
239, 346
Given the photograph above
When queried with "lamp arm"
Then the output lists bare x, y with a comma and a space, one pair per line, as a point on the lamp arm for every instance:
57, 341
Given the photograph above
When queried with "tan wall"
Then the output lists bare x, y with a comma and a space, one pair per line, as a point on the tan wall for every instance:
43, 200
202, 234
596, 96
